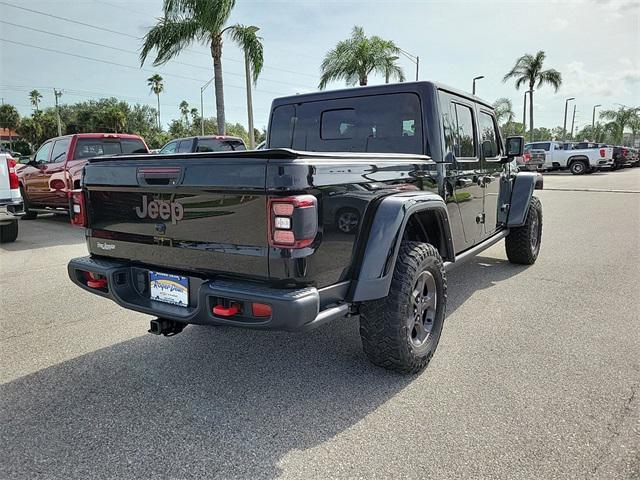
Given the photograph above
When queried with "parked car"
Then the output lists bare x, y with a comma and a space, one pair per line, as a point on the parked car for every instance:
207, 143
620, 154
241, 238
56, 168
634, 157
558, 156
531, 160
11, 206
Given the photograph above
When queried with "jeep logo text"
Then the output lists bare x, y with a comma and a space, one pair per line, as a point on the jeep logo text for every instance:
160, 209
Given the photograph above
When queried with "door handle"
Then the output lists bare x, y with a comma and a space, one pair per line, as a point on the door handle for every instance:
464, 182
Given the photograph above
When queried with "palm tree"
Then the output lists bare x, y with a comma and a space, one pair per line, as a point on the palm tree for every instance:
187, 21
504, 110
157, 87
34, 98
184, 111
352, 60
251, 44
528, 70
620, 119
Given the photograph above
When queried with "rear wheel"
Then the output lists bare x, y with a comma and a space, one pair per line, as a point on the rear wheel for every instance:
28, 214
579, 167
523, 243
401, 331
9, 232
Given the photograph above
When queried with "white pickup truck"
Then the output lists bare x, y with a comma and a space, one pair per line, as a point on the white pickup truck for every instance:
11, 206
559, 155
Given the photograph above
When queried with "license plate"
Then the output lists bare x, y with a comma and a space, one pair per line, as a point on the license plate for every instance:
169, 288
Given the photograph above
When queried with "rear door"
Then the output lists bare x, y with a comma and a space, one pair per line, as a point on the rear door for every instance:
466, 171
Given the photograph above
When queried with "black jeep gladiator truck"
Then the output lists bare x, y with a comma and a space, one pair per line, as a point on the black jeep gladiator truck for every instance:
245, 238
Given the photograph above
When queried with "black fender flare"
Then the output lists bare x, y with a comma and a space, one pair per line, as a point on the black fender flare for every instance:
521, 193
383, 243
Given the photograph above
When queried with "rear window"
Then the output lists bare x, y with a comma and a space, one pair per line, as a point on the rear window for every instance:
93, 147
218, 145
382, 124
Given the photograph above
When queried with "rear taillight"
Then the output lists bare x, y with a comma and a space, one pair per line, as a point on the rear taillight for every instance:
293, 221
77, 208
526, 157
625, 152
602, 152
13, 176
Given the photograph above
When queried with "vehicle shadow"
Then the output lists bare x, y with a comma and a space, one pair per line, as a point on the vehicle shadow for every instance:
47, 230
211, 402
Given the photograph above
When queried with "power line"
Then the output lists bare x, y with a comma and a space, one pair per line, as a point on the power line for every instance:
126, 66
89, 42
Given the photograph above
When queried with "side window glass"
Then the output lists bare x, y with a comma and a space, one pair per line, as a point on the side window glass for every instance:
464, 135
169, 147
185, 146
60, 148
43, 154
488, 136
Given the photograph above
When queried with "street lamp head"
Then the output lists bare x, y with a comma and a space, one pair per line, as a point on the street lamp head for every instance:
478, 78
598, 105
572, 98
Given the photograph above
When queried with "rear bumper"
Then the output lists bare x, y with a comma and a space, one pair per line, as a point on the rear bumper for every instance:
292, 309
9, 212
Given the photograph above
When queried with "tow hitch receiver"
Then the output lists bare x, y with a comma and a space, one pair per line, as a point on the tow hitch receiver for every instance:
168, 328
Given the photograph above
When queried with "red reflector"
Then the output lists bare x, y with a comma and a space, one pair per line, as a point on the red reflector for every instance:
223, 311
261, 310
602, 152
13, 177
284, 237
283, 209
95, 280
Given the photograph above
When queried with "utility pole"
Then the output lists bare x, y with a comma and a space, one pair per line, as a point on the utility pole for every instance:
564, 126
247, 74
524, 114
57, 94
414, 58
573, 119
202, 88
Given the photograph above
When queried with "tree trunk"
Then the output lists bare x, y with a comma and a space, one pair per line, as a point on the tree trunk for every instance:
247, 73
159, 124
531, 111
216, 53
363, 80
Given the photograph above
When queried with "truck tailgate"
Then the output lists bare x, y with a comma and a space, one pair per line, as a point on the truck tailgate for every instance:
200, 213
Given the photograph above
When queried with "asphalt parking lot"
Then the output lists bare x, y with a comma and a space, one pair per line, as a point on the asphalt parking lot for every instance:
536, 375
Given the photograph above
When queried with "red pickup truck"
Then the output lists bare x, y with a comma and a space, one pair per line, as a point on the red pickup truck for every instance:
57, 166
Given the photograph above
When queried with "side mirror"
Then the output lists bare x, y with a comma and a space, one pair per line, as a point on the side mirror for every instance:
515, 147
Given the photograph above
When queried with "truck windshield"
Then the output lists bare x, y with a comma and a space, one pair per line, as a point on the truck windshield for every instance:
217, 145
93, 147
389, 123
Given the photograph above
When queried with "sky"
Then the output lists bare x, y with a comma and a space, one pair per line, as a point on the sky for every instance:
595, 44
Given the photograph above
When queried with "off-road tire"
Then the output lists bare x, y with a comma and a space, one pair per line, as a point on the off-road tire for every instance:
9, 232
519, 243
579, 167
28, 214
385, 323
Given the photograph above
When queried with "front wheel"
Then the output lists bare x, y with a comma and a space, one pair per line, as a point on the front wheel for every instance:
523, 243
401, 331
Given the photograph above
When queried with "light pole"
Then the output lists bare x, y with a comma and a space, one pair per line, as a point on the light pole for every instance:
202, 89
474, 83
414, 58
564, 126
57, 94
573, 119
593, 117
524, 113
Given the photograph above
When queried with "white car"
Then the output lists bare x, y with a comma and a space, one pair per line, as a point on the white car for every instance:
11, 206
559, 155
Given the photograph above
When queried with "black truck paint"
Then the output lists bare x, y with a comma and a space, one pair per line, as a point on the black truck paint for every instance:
385, 168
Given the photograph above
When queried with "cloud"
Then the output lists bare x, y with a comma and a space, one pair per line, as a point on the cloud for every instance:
579, 80
559, 24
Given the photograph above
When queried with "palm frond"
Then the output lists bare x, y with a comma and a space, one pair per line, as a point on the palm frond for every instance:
246, 37
169, 38
551, 77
